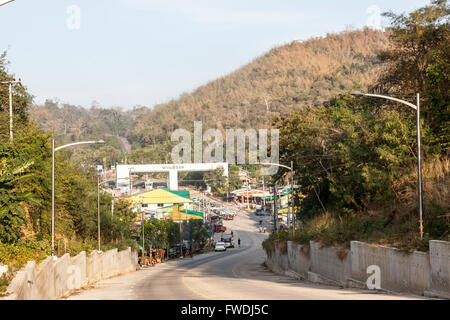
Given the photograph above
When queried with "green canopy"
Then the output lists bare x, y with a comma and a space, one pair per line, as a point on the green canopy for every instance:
181, 193
193, 212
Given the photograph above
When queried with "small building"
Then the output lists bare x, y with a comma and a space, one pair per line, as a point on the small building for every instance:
159, 203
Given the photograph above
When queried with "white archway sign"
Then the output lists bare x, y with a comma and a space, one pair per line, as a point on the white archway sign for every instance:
123, 171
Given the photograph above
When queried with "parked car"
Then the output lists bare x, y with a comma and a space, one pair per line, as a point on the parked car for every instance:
229, 243
220, 246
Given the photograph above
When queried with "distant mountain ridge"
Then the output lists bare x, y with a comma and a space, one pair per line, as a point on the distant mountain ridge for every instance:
289, 77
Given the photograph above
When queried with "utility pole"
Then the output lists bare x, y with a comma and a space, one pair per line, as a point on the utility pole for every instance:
264, 196
290, 214
130, 183
10, 114
112, 208
10, 83
98, 211
248, 190
143, 233
275, 207
419, 170
53, 197
292, 196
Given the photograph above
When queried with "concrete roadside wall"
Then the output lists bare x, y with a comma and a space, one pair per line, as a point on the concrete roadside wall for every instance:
44, 287
61, 276
79, 267
299, 259
94, 267
326, 263
22, 283
418, 272
277, 261
127, 260
440, 268
399, 271
109, 264
55, 278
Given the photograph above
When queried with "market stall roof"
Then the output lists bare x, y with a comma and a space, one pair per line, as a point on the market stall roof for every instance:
181, 215
159, 196
193, 212
181, 193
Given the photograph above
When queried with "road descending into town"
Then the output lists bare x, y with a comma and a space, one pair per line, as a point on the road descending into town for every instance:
238, 273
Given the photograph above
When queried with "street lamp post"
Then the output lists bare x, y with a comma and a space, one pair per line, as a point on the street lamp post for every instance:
291, 202
419, 162
98, 209
53, 181
10, 83
98, 212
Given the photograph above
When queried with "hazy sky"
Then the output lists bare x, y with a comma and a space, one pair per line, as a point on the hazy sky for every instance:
144, 52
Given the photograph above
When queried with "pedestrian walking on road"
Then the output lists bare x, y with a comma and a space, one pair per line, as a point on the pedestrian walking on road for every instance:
239, 242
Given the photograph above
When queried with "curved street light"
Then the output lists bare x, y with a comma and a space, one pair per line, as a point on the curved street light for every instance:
53, 181
3, 2
419, 164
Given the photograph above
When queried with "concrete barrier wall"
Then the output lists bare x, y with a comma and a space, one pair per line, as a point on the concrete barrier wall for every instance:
59, 277
417, 272
440, 268
22, 283
326, 263
110, 267
44, 288
298, 259
94, 267
79, 262
277, 262
399, 271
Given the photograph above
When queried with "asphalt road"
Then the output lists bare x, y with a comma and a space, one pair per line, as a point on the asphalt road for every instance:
235, 274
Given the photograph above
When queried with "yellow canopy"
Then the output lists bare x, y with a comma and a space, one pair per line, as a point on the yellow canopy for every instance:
159, 196
165, 212
179, 216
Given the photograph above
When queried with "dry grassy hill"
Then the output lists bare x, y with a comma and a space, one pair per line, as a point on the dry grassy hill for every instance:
289, 77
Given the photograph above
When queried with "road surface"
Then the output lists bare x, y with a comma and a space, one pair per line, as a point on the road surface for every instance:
235, 274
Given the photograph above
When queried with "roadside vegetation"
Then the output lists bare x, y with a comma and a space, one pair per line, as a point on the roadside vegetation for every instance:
356, 158
25, 193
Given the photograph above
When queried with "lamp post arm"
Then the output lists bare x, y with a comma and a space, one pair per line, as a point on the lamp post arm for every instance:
392, 99
277, 165
76, 144
3, 2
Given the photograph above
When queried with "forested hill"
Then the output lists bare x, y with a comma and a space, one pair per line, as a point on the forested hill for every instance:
286, 78
289, 77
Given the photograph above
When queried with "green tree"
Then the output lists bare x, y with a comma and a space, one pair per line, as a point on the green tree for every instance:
12, 212
418, 61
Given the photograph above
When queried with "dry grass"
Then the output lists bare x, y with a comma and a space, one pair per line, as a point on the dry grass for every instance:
390, 224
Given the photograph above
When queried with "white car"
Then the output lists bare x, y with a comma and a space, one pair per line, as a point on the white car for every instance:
220, 246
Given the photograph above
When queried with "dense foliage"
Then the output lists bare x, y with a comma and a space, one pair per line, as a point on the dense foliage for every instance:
418, 62
356, 158
25, 193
